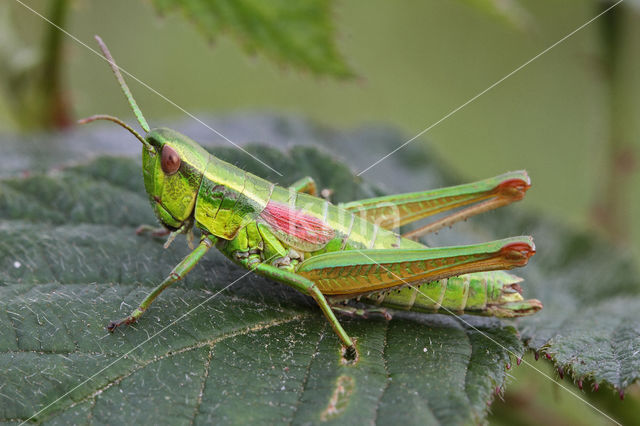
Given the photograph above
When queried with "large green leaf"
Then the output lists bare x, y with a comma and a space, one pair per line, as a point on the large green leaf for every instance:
299, 33
70, 262
258, 351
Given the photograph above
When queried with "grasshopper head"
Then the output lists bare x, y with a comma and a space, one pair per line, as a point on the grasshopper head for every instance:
172, 168
172, 164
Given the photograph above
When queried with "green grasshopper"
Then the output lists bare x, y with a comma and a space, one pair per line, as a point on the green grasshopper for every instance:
334, 253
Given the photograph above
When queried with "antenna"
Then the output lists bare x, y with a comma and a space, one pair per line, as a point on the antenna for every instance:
125, 90
121, 123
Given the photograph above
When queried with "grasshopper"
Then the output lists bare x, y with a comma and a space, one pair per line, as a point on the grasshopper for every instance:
333, 253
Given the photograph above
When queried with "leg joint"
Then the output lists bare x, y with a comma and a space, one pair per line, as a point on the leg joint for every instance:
207, 241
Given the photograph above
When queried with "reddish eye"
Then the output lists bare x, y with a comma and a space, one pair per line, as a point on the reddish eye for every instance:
170, 160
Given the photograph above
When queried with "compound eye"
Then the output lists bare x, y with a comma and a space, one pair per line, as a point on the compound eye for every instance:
170, 160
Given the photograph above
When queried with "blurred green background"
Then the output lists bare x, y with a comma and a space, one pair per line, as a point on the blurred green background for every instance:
415, 61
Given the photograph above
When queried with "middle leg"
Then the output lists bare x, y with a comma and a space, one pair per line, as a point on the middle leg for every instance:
305, 185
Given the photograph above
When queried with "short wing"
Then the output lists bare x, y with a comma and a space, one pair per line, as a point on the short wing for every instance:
354, 272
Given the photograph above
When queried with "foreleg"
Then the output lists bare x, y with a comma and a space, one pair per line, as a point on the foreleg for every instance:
179, 272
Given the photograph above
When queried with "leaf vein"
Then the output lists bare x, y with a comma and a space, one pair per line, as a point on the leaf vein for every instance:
307, 373
386, 371
207, 369
210, 342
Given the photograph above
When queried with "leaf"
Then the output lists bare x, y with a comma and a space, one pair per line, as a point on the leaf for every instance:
298, 33
70, 262
591, 293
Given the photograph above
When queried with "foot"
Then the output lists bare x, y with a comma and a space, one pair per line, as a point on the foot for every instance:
115, 324
349, 354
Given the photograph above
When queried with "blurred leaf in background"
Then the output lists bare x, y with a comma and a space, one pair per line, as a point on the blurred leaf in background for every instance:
299, 34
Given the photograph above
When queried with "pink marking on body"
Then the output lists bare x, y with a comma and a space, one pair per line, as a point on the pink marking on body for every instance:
297, 223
